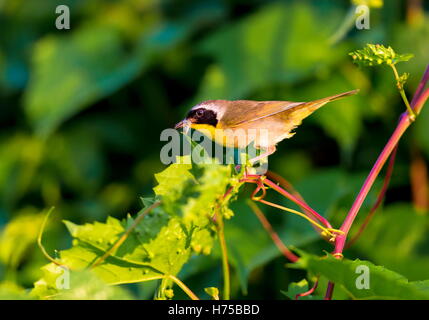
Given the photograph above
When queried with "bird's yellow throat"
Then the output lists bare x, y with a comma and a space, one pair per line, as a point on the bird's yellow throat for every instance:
206, 129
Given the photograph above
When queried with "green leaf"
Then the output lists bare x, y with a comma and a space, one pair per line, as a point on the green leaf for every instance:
383, 283
377, 54
172, 182
192, 193
72, 71
296, 288
250, 246
80, 285
212, 292
18, 236
161, 244
20, 156
278, 55
395, 238
11, 291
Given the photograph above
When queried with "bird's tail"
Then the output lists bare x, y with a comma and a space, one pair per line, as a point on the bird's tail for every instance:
312, 106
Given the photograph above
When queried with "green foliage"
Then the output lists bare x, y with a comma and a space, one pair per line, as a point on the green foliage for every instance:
10, 291
383, 283
278, 55
296, 288
399, 234
212, 292
85, 285
160, 245
18, 237
249, 244
61, 84
81, 113
377, 54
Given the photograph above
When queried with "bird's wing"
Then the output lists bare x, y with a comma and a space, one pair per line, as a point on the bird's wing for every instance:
243, 111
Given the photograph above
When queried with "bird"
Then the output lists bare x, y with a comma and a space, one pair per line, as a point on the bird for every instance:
238, 123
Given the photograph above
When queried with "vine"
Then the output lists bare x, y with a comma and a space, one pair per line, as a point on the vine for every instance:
191, 207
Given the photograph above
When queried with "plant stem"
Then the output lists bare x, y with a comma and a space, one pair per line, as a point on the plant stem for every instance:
224, 250
329, 291
419, 99
298, 201
327, 231
379, 199
274, 236
346, 25
310, 291
403, 124
124, 237
402, 92
39, 240
184, 287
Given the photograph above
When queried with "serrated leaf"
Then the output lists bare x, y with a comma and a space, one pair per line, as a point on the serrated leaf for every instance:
250, 246
161, 243
377, 54
85, 285
296, 288
382, 283
192, 192
173, 177
395, 237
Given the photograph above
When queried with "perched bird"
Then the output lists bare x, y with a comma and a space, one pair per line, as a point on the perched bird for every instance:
237, 123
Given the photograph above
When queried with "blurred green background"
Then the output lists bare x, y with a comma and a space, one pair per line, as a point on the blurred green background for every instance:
81, 112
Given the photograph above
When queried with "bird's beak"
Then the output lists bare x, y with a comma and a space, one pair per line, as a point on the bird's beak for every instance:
185, 124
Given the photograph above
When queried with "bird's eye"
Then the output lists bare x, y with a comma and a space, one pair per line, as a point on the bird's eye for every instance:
199, 113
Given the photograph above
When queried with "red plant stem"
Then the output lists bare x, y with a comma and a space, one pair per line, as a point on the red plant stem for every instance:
260, 181
284, 184
403, 124
417, 103
309, 291
274, 236
378, 201
329, 291
420, 88
287, 186
298, 201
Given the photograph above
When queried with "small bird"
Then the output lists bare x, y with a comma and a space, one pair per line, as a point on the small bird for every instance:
237, 123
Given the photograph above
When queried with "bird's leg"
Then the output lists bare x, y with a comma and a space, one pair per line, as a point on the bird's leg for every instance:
270, 150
